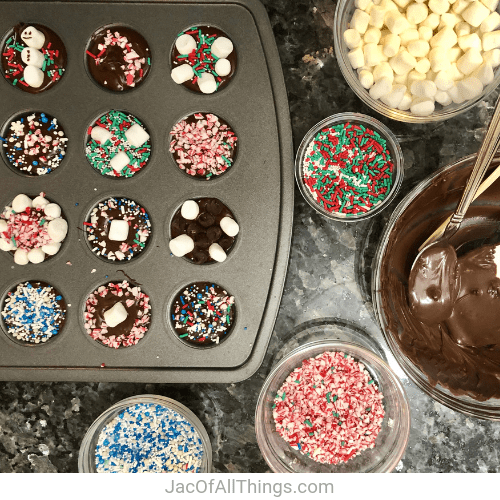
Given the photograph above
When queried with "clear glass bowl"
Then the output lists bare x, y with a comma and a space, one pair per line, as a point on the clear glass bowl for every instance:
343, 15
391, 441
357, 119
86, 457
394, 257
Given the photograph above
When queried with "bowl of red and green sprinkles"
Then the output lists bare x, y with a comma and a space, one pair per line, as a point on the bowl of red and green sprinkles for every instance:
349, 167
332, 406
146, 434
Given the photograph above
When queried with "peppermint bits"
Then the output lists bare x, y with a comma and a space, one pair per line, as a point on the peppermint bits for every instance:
329, 409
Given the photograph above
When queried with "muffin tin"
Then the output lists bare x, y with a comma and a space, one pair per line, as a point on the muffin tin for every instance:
258, 189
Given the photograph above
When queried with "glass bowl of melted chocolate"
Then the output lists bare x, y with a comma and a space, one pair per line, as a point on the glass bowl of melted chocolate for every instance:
453, 357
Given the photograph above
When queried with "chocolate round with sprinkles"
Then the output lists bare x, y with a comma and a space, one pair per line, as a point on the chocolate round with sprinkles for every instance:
118, 58
198, 54
118, 145
203, 145
203, 314
34, 143
118, 229
117, 314
33, 312
38, 48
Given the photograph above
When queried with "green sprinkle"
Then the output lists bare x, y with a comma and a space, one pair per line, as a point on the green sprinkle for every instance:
283, 397
328, 394
370, 382
369, 409
342, 443
183, 335
335, 398
307, 422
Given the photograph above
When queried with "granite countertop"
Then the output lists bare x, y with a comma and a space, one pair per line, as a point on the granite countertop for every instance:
42, 424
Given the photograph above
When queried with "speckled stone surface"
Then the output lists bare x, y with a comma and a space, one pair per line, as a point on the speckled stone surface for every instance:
42, 424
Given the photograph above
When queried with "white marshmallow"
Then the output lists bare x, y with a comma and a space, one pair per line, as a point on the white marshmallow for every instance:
492, 57
491, 40
381, 88
405, 103
445, 37
185, 44
425, 33
352, 38
3, 226
222, 47
119, 161
206, 83
356, 58
454, 54
362, 4
190, 210
443, 98
454, 72
470, 87
402, 62
401, 80
181, 245
417, 13
36, 255
471, 41
408, 36
32, 57
396, 22
491, 4
484, 74
136, 135
415, 76
33, 76
422, 106
377, 15
372, 35
455, 95
7, 211
360, 20
395, 96
459, 6
366, 78
470, 61
223, 67
229, 226
449, 19
21, 257
438, 57
21, 202
6, 245
402, 3
475, 13
439, 7
51, 248
40, 201
492, 22
462, 29
424, 88
100, 134
383, 70
443, 81
118, 230
33, 38
391, 45
418, 48
217, 252
57, 229
373, 54
115, 315
182, 73
52, 210
432, 21
423, 65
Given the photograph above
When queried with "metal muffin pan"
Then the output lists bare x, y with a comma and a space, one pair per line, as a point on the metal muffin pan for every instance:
258, 189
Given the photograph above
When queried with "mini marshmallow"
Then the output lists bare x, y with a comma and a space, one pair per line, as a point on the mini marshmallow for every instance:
423, 65
462, 29
432, 21
470, 87
352, 38
36, 255
454, 54
470, 61
491, 40
356, 58
40, 201
424, 88
383, 70
185, 44
475, 13
425, 33
136, 135
360, 20
217, 252
21, 257
223, 67
439, 7
438, 57
492, 57
454, 73
381, 88
443, 81
459, 6
396, 22
395, 96
57, 229
405, 103
455, 95
377, 15
418, 48
445, 37
190, 210
33, 76
366, 78
6, 245
484, 74
443, 98
115, 315
118, 230
100, 134
471, 41
182, 73
21, 202
391, 45
229, 226
51, 248
491, 4
222, 46
422, 106
402, 3
372, 35
181, 245
408, 36
206, 83
119, 161
33, 38
52, 210
402, 62
492, 22
362, 4
3, 226
401, 80
449, 19
417, 13
373, 54
414, 76
32, 57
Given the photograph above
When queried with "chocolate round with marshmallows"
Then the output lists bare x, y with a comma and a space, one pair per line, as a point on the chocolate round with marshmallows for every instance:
204, 229
129, 331
54, 55
118, 58
203, 314
34, 143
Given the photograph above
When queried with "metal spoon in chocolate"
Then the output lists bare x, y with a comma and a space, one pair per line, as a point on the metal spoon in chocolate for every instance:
434, 282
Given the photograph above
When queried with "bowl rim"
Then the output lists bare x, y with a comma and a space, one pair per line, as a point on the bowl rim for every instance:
267, 450
394, 146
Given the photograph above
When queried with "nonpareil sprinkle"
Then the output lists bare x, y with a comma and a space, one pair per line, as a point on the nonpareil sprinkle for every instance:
348, 169
329, 429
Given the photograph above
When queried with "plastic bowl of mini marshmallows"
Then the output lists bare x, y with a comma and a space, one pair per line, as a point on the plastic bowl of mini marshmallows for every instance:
419, 62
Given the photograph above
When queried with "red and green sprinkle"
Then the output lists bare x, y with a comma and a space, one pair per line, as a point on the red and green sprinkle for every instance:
348, 169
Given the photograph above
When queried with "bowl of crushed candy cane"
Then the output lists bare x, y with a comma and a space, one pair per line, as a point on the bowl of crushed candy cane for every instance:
332, 406
349, 167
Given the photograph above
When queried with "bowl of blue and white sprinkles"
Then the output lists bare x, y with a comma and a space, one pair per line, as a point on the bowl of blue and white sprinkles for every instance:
148, 433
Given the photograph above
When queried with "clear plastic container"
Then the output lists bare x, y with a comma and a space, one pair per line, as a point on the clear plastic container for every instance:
343, 15
356, 119
391, 441
86, 457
